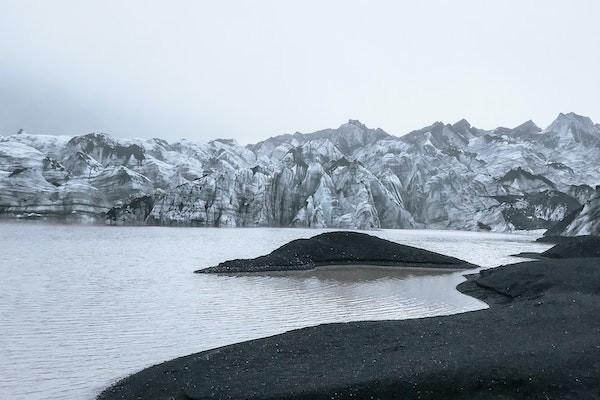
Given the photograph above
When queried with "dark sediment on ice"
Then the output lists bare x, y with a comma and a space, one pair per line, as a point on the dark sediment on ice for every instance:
540, 339
340, 248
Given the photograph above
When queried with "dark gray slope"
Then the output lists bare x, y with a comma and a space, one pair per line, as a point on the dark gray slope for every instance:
539, 340
574, 247
567, 247
339, 248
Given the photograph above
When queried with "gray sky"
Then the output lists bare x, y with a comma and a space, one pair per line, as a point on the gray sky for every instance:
253, 69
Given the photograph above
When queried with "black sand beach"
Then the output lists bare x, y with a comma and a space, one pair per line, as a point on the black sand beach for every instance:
540, 339
575, 247
340, 248
567, 247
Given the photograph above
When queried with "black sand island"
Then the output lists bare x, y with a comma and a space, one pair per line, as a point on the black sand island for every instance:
340, 248
540, 339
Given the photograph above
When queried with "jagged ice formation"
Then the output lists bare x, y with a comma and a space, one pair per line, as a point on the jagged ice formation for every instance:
442, 176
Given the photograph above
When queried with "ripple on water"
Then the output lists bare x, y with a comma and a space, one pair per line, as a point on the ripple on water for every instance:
82, 306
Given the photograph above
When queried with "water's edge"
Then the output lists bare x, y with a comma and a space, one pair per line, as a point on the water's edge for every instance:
92, 304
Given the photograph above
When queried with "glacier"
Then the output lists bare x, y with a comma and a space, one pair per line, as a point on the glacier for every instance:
444, 176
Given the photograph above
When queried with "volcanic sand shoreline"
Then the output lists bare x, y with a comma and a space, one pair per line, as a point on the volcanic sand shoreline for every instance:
390, 269
540, 339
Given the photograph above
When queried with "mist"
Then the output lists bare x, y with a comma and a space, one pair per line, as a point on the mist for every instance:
248, 70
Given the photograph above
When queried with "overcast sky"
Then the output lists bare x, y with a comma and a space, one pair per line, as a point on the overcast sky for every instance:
253, 69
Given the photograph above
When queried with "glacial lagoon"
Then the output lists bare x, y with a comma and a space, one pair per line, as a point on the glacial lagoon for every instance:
82, 306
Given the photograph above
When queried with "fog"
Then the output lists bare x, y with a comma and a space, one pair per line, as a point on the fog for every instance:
249, 70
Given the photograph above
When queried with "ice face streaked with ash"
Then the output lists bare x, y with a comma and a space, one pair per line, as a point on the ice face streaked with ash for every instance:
442, 176
583, 221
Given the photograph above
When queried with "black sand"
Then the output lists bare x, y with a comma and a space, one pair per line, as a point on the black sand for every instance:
567, 247
540, 339
340, 248
575, 247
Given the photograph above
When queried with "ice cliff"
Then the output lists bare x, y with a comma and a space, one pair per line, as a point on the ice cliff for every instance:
441, 176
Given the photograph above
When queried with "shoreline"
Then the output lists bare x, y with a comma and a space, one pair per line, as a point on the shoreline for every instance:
352, 266
391, 267
432, 267
539, 338
59, 220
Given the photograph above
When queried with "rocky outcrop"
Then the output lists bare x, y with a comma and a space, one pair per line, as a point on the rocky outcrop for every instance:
340, 248
446, 176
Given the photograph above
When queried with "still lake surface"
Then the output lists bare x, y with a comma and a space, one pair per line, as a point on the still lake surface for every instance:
81, 306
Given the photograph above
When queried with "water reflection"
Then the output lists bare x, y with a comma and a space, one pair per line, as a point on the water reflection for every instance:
349, 274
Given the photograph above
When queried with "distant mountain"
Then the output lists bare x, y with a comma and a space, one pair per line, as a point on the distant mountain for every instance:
447, 176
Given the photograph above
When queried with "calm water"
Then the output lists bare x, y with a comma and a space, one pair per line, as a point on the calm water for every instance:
81, 306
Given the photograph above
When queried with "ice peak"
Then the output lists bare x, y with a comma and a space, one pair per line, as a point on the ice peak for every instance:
357, 123
528, 126
462, 124
572, 127
571, 122
572, 118
229, 142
